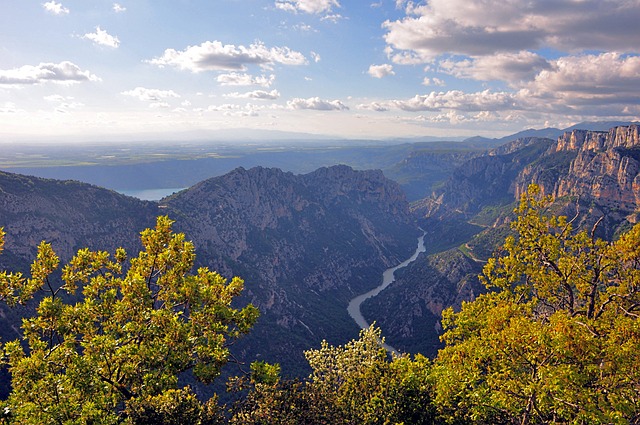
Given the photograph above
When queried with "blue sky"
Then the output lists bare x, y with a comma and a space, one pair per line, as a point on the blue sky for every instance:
152, 69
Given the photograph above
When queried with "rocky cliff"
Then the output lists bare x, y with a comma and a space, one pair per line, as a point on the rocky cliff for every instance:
600, 168
484, 180
605, 169
305, 244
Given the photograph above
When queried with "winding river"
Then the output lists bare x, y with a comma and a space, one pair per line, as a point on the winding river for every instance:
388, 277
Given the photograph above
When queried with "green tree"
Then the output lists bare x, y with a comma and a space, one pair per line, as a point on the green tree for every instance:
557, 338
116, 354
352, 384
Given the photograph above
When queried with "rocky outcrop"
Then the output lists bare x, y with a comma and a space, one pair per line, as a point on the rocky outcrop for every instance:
305, 245
605, 169
68, 214
600, 168
485, 180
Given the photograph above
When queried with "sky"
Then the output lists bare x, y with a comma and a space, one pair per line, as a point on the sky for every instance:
76, 70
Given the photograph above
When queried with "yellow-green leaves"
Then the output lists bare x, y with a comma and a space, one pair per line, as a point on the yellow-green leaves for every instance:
125, 342
558, 340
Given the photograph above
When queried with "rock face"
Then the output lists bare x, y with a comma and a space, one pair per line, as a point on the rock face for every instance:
605, 168
409, 311
305, 245
69, 215
484, 180
599, 168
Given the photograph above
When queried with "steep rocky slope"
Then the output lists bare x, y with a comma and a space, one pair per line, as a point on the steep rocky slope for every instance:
305, 245
483, 180
605, 168
599, 168
409, 311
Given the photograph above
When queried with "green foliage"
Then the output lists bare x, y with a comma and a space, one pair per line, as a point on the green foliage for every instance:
558, 339
351, 384
122, 347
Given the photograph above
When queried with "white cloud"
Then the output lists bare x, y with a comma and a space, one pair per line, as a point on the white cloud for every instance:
317, 104
233, 110
381, 71
307, 6
57, 98
118, 8
257, 94
459, 100
510, 67
153, 95
55, 8
215, 56
159, 105
236, 79
590, 79
316, 57
8, 108
374, 106
488, 27
64, 72
433, 82
102, 38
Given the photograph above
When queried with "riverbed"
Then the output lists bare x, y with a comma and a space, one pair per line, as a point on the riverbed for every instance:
388, 277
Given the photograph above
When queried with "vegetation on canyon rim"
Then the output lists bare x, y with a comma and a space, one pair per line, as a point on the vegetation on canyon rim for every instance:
554, 340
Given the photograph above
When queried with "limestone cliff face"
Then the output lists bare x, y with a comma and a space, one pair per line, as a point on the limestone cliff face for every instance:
605, 168
305, 245
598, 167
484, 180
68, 214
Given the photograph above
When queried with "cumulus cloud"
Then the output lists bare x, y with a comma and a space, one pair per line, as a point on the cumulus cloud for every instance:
317, 104
432, 81
152, 95
307, 6
458, 100
590, 79
257, 94
479, 28
55, 8
215, 56
233, 110
374, 106
118, 8
511, 67
237, 79
64, 73
102, 38
381, 71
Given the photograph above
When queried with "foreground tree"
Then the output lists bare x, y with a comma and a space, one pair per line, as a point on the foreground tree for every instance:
352, 384
116, 354
557, 338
